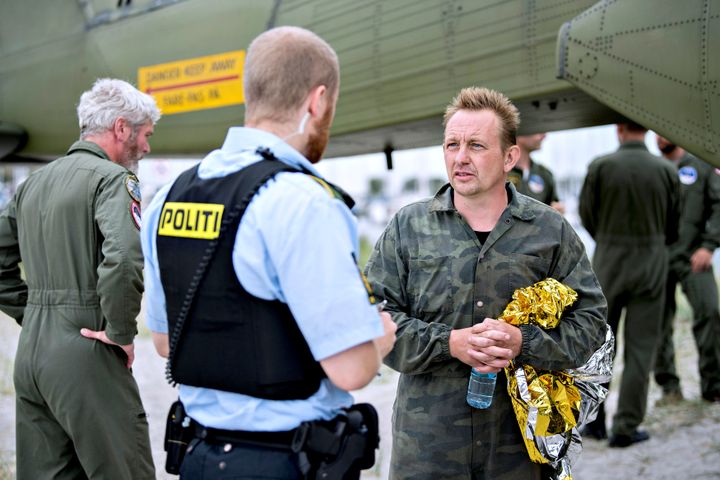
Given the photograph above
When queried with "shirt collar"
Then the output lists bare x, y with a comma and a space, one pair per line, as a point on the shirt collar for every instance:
245, 138
685, 159
91, 147
518, 206
633, 144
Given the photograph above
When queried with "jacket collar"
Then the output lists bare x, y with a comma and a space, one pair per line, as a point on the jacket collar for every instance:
633, 145
91, 147
518, 206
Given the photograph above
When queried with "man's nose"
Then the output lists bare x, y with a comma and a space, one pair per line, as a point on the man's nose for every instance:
462, 155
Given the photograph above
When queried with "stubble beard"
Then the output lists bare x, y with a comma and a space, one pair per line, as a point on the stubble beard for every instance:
318, 140
131, 153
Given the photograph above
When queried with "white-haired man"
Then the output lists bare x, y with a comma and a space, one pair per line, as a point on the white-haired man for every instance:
281, 325
74, 226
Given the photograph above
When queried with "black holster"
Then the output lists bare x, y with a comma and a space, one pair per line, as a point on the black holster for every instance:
338, 448
179, 431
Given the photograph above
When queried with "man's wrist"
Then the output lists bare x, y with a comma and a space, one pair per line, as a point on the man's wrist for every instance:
120, 338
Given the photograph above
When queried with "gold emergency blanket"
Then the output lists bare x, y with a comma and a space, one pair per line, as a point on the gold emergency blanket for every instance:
546, 402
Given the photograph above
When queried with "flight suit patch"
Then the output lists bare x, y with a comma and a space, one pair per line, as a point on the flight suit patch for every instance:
687, 175
133, 187
536, 184
135, 214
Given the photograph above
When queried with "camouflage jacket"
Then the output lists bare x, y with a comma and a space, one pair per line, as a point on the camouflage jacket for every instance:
436, 277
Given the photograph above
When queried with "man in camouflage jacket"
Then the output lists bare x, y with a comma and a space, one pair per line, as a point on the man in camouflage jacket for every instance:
448, 266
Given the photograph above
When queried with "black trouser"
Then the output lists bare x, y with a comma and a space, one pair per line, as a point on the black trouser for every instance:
210, 460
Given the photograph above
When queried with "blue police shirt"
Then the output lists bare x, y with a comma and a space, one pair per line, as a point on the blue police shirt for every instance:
295, 244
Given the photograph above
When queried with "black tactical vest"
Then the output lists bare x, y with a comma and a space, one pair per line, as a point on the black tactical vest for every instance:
231, 340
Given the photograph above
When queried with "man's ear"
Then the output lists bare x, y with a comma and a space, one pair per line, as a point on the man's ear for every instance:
318, 98
512, 155
121, 129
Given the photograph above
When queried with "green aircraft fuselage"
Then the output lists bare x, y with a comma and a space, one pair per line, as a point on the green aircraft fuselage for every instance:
401, 63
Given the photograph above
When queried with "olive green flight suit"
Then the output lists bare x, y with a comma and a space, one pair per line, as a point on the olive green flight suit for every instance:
699, 228
539, 184
436, 276
79, 413
630, 204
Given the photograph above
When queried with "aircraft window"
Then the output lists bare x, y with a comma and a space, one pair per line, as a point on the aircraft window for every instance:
376, 186
123, 3
435, 184
411, 185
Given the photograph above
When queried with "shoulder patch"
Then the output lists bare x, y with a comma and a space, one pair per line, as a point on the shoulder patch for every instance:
135, 214
536, 183
515, 178
688, 175
325, 185
133, 187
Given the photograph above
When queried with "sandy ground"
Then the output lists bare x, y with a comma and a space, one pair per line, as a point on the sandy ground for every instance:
685, 442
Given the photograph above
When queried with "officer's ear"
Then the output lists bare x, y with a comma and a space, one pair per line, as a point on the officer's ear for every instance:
318, 99
511, 157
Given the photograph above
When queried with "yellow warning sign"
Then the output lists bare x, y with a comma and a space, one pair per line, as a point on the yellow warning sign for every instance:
191, 220
195, 84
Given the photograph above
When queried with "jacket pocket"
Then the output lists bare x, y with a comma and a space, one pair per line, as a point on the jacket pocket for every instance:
429, 285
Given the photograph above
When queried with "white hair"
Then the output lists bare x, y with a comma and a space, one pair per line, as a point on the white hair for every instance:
110, 99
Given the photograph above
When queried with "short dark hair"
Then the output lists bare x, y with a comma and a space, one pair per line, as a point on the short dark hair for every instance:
476, 99
633, 126
282, 66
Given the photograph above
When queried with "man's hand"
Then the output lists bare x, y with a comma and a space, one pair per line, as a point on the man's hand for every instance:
486, 349
559, 207
495, 333
387, 341
701, 260
128, 349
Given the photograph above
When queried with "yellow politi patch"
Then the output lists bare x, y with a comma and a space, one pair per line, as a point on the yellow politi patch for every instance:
191, 220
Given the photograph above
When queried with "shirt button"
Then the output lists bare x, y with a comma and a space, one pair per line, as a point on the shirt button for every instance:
480, 304
222, 465
227, 447
478, 443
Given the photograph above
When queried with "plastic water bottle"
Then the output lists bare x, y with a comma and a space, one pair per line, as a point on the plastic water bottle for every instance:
480, 389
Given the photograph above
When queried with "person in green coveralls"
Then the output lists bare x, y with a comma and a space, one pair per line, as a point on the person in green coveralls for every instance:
691, 266
448, 267
531, 178
74, 224
630, 205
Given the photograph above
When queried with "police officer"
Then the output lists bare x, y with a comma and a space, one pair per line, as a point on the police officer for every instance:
282, 324
630, 204
74, 226
691, 266
531, 178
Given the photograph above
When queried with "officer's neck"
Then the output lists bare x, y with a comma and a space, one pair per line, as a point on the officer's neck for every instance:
288, 132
